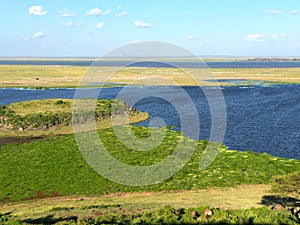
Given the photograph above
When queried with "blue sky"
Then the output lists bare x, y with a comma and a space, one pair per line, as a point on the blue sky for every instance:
205, 27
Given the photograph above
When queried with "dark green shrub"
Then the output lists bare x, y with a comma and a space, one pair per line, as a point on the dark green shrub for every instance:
2, 110
59, 102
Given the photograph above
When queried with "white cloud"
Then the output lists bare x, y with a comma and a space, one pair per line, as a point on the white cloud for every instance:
119, 7
138, 23
255, 37
67, 14
106, 12
263, 37
275, 37
100, 25
193, 37
293, 12
38, 35
274, 11
122, 14
94, 12
36, 10
98, 12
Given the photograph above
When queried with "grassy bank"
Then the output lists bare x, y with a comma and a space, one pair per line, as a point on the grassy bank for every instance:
69, 76
55, 167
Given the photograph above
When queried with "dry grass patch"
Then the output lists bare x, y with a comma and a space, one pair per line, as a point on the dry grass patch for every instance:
70, 76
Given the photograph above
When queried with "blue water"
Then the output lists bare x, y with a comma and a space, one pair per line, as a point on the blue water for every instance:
263, 119
235, 64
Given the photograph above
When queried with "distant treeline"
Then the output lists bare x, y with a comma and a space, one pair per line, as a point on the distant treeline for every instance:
271, 59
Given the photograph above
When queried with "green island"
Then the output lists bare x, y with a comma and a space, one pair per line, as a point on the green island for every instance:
54, 116
44, 178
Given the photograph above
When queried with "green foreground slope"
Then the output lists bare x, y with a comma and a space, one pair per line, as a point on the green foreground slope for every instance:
54, 167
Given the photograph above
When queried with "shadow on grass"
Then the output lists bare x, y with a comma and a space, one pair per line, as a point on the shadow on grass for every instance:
5, 214
269, 200
73, 220
19, 140
50, 220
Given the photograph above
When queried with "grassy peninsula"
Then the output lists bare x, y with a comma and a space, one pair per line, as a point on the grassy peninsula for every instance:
54, 116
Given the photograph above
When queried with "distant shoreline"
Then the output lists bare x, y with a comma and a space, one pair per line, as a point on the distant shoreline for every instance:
175, 59
254, 63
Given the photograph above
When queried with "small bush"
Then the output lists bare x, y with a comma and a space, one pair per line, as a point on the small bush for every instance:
286, 184
59, 102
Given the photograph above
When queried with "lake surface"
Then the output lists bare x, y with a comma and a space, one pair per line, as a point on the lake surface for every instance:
234, 64
263, 119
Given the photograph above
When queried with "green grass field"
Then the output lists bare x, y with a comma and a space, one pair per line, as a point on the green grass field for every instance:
55, 166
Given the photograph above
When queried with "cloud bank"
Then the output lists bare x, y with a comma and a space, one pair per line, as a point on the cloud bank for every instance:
98, 12
263, 37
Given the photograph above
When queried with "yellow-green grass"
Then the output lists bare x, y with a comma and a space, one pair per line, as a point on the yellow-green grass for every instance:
240, 197
280, 75
70, 76
40, 76
41, 106
54, 105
